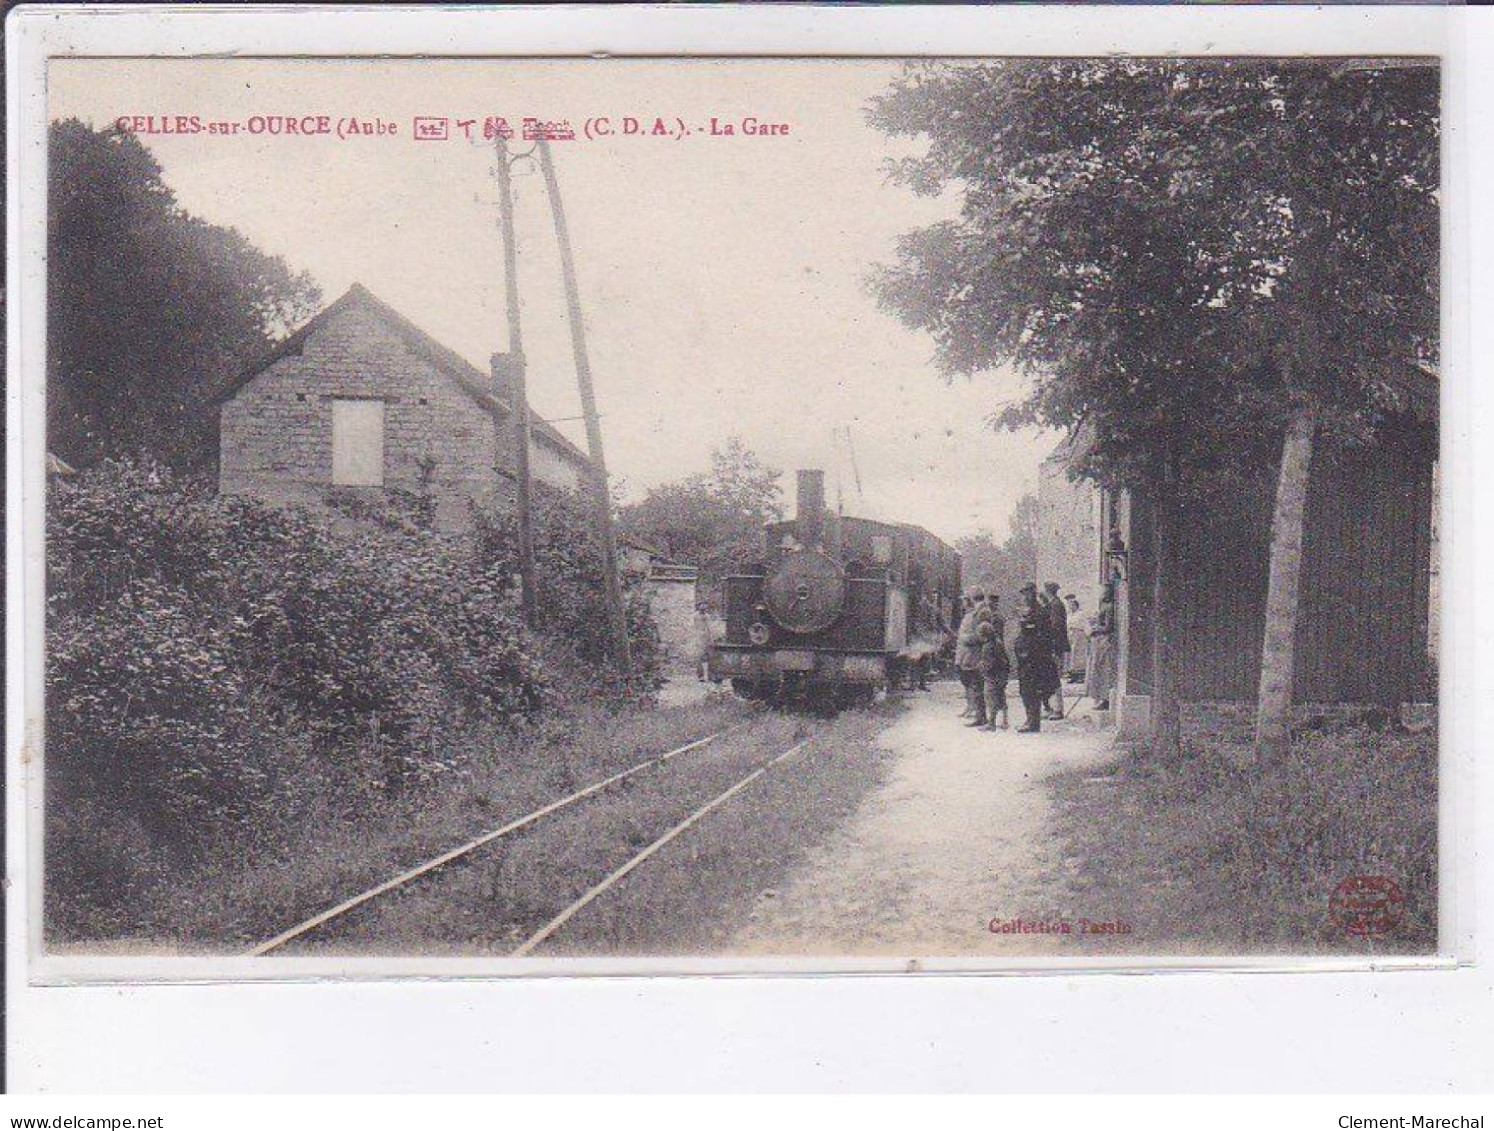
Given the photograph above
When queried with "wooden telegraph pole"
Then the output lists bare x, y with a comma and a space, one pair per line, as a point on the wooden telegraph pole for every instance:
601, 503
518, 394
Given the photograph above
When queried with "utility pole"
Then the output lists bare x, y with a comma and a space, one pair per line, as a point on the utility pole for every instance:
855, 468
600, 500
518, 395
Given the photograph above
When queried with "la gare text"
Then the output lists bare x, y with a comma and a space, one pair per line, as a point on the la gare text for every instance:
628, 126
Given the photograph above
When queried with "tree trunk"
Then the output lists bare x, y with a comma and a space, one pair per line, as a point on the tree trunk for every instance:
1273, 718
1166, 711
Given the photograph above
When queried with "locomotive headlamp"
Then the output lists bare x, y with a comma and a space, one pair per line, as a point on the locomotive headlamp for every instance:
757, 632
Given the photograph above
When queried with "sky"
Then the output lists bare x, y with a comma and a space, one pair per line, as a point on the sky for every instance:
722, 277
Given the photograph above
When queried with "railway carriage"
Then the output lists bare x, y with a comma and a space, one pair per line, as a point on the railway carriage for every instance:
837, 607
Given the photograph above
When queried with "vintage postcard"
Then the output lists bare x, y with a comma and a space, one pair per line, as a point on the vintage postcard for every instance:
742, 510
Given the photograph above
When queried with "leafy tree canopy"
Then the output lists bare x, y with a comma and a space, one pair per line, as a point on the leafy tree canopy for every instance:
149, 308
1003, 568
1173, 252
713, 521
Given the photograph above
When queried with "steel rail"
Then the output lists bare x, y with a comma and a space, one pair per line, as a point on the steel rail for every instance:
575, 908
471, 846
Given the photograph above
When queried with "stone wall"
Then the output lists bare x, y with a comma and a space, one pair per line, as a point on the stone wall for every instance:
673, 604
1068, 535
549, 466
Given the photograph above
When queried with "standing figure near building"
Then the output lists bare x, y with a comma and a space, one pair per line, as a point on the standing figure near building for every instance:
967, 658
1058, 629
702, 632
1036, 672
995, 666
1078, 639
1099, 677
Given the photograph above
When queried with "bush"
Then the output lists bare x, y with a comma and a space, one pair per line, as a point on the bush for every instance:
219, 670
147, 707
345, 627
571, 600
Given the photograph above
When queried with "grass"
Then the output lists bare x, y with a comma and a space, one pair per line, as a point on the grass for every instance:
687, 899
695, 896
1209, 857
261, 880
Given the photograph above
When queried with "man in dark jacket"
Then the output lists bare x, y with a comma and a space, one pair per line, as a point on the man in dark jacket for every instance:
1058, 629
1036, 672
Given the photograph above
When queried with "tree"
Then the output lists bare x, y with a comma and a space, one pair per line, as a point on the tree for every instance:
1021, 543
150, 309
1156, 243
982, 560
1357, 306
713, 521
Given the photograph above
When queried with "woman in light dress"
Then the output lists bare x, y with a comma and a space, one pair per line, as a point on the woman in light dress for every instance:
1099, 676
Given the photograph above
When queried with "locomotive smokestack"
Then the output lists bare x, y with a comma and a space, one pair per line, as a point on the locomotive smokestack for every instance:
810, 515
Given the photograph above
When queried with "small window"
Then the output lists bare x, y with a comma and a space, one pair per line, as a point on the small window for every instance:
357, 443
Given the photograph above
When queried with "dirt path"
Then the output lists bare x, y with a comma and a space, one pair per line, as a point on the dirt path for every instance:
960, 834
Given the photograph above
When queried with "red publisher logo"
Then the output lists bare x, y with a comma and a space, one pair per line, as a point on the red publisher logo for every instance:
432, 129
1367, 906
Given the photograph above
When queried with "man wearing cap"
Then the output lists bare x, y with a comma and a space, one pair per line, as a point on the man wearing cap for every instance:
1033, 648
1058, 631
995, 667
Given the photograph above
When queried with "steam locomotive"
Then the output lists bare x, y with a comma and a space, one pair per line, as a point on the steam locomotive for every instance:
837, 608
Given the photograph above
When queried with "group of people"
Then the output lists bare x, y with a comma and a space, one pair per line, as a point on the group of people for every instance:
1041, 650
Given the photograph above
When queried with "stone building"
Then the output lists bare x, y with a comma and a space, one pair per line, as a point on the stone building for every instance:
361, 400
1068, 531
1069, 546
671, 589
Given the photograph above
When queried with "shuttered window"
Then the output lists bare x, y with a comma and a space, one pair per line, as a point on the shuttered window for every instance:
357, 443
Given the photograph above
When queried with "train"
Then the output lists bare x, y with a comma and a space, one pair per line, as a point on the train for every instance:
836, 608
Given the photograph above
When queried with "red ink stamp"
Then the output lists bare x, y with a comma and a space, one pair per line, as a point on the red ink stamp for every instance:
1367, 906
537, 130
432, 129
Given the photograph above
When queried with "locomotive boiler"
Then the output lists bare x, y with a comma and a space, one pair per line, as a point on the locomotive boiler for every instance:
836, 607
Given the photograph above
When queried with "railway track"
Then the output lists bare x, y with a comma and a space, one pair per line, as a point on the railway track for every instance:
617, 874
555, 924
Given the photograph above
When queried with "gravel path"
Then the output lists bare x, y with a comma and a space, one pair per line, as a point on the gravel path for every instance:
959, 835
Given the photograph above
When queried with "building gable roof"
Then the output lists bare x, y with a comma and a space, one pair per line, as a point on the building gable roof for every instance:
448, 362
1075, 444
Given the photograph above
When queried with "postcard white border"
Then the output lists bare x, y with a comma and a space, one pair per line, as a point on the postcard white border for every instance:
35, 34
